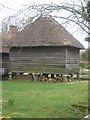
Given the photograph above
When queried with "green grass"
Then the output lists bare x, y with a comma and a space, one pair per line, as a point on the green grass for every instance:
43, 100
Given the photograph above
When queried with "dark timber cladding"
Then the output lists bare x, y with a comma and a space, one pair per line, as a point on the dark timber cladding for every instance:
5, 54
72, 60
44, 46
5, 60
38, 59
0, 60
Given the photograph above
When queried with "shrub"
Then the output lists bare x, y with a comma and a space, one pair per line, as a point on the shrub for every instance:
82, 64
87, 67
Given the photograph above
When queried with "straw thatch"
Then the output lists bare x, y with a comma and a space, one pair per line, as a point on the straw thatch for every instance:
4, 40
45, 31
4, 46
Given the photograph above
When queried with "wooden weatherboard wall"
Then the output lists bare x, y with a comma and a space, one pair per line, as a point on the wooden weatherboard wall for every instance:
0, 60
64, 60
72, 60
5, 60
38, 59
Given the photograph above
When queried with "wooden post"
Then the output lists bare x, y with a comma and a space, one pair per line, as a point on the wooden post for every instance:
78, 76
72, 79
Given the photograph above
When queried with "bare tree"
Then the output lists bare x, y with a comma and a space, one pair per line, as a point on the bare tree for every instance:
78, 14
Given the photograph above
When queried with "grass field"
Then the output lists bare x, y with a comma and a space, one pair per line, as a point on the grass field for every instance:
27, 99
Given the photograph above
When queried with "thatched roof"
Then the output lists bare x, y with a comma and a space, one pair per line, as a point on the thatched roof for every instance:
45, 31
4, 40
5, 48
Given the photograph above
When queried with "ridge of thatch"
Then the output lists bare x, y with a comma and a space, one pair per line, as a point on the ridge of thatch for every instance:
45, 31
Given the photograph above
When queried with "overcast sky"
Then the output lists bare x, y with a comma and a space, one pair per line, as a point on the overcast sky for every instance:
12, 6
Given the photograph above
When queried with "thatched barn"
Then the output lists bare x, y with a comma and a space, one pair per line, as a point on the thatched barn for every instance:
44, 46
5, 55
4, 60
4, 49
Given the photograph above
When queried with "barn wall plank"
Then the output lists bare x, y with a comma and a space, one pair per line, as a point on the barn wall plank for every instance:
48, 60
5, 60
72, 60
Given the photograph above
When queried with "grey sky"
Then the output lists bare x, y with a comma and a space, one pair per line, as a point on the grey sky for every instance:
16, 5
